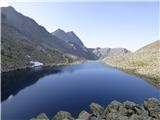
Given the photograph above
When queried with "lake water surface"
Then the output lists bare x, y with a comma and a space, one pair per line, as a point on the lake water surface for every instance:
26, 93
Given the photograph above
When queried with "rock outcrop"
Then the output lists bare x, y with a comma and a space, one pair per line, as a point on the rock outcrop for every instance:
127, 110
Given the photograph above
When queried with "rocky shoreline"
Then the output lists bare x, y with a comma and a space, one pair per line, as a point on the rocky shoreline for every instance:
144, 62
153, 81
149, 110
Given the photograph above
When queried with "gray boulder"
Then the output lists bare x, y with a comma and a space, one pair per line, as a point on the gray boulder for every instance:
84, 115
129, 104
63, 115
96, 109
114, 106
115, 116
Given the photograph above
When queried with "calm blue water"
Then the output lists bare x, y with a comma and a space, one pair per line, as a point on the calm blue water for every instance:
26, 93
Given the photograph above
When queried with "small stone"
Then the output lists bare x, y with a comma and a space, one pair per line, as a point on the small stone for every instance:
129, 105
112, 116
114, 106
96, 109
63, 115
84, 115
123, 111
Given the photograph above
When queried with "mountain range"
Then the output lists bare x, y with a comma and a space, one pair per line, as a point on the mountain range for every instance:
108, 52
24, 41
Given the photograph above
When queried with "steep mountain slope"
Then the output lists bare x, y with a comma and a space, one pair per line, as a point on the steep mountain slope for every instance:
25, 42
30, 29
18, 51
108, 52
144, 62
71, 39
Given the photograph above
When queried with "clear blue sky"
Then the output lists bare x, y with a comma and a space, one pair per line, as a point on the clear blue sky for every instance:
99, 24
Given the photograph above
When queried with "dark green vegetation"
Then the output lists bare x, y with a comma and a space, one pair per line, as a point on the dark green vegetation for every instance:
127, 110
145, 62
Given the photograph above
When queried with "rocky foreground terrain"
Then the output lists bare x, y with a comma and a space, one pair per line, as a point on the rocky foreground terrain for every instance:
149, 110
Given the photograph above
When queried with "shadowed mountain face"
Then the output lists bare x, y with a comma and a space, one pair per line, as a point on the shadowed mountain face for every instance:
107, 52
144, 62
19, 28
23, 41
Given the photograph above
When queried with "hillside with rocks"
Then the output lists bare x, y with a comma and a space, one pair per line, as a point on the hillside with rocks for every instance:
145, 62
149, 110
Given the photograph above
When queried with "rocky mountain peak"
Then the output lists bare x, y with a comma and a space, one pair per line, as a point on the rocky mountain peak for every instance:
58, 31
71, 33
67, 36
8, 8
